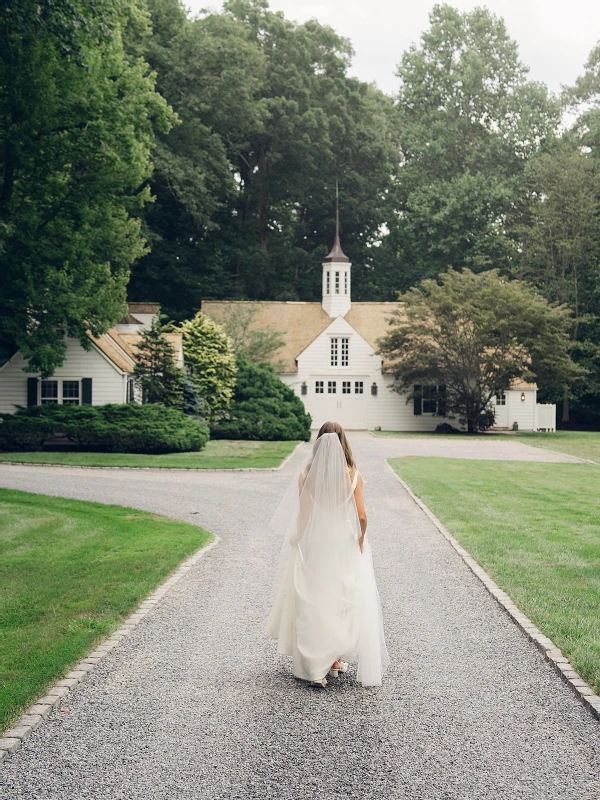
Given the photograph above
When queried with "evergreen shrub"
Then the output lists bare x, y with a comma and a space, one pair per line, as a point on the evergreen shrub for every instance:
262, 408
130, 428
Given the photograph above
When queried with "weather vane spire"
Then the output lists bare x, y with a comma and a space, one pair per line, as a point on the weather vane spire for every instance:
337, 254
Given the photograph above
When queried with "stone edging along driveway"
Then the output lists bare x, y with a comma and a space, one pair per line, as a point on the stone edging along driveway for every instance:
550, 651
13, 738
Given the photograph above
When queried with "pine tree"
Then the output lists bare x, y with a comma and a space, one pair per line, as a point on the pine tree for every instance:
156, 371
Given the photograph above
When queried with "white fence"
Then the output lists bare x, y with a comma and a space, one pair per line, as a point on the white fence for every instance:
545, 417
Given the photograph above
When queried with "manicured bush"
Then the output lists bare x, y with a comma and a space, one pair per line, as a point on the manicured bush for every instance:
445, 427
129, 428
263, 408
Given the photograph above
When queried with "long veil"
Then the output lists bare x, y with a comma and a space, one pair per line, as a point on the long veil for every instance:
327, 605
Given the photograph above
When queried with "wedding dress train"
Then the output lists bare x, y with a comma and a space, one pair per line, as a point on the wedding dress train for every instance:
327, 606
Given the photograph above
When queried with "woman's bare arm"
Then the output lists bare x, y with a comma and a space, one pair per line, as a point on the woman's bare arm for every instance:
360, 508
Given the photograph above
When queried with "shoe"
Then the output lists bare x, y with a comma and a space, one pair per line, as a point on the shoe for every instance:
342, 668
321, 684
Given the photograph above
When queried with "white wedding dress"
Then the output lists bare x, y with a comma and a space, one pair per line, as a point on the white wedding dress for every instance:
327, 606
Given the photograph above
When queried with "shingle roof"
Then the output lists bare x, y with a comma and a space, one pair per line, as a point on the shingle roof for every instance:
115, 349
301, 323
143, 308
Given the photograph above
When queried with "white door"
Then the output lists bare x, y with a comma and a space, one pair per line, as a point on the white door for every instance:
342, 400
501, 411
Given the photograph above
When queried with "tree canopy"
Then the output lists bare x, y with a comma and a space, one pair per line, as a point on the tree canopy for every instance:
77, 125
474, 334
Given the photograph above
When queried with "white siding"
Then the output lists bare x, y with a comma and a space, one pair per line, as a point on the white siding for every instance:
387, 410
390, 411
109, 384
521, 411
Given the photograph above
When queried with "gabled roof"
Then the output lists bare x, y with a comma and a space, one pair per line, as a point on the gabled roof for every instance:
129, 319
301, 323
115, 349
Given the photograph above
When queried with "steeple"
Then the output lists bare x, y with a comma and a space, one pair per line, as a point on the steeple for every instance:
336, 253
336, 273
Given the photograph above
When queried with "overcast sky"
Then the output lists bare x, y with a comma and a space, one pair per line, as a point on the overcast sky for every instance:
555, 37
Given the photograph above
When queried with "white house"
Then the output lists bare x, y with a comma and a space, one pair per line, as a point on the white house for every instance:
330, 361
102, 374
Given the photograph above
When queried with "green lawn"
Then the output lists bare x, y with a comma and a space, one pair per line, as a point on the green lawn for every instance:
70, 572
219, 454
585, 444
535, 528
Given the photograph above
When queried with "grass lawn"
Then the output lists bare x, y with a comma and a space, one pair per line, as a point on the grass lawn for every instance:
585, 444
535, 528
218, 454
70, 572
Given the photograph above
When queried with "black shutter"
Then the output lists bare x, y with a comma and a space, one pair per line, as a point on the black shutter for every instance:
417, 400
32, 392
86, 391
441, 401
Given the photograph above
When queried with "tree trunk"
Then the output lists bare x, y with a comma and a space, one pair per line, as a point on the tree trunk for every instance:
565, 411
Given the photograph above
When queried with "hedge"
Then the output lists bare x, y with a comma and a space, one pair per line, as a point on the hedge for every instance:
130, 428
263, 408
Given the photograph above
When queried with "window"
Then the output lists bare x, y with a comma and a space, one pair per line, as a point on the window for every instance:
501, 399
358, 387
334, 352
429, 399
337, 282
70, 393
331, 387
346, 387
318, 387
49, 392
345, 352
327, 281
345, 283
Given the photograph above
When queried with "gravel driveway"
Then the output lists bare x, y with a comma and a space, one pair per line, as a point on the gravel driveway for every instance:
195, 703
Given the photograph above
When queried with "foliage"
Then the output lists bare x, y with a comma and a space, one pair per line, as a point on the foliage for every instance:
263, 407
72, 571
561, 251
192, 403
245, 186
161, 380
77, 124
468, 121
475, 334
256, 344
128, 428
210, 360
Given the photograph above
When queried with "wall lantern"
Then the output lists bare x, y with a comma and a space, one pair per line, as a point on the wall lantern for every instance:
522, 397
373, 388
304, 388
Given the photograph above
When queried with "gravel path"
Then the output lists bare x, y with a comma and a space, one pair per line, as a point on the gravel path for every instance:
195, 704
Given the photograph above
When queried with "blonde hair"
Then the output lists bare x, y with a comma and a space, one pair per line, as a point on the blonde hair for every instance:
335, 427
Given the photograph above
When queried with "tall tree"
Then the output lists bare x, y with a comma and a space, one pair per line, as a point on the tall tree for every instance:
560, 251
211, 362
160, 378
245, 185
77, 123
473, 334
468, 121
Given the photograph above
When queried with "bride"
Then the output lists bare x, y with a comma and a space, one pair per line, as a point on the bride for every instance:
326, 612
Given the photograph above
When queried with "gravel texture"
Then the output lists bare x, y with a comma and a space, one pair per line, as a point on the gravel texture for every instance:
195, 703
